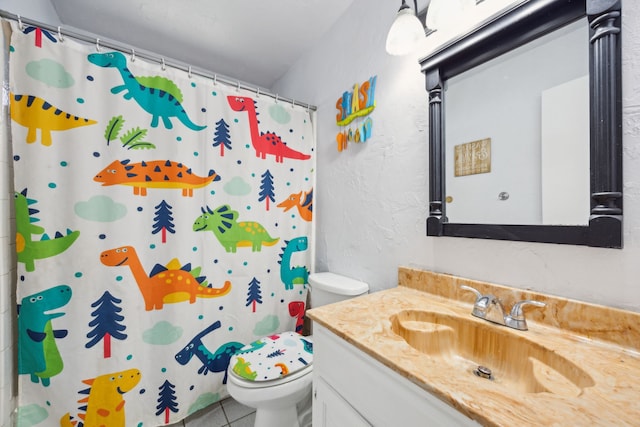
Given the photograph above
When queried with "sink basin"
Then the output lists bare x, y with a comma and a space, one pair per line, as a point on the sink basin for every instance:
465, 343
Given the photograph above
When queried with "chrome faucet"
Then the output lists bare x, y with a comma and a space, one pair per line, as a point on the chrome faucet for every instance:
490, 308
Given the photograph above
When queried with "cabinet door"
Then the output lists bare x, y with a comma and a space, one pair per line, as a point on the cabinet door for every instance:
331, 410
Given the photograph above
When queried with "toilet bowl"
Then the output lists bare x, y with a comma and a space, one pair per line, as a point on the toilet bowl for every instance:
274, 374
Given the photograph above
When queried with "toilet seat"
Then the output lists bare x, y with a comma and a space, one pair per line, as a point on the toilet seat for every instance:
272, 360
266, 384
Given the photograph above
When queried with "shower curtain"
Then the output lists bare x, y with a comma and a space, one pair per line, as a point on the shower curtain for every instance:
162, 222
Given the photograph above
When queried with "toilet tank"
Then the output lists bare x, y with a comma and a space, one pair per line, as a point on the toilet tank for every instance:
327, 288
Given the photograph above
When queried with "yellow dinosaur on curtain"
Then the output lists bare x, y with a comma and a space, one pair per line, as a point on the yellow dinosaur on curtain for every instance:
104, 403
35, 113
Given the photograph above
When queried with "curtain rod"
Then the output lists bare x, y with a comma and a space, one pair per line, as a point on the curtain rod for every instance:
100, 42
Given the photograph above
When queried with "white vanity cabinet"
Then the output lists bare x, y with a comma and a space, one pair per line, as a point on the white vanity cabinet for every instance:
352, 389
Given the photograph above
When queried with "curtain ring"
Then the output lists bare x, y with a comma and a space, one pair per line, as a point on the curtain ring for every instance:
97, 45
60, 38
238, 85
215, 80
133, 55
20, 26
258, 92
164, 66
308, 108
276, 98
189, 73
293, 103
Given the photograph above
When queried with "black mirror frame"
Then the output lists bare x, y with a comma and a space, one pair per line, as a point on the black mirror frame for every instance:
506, 32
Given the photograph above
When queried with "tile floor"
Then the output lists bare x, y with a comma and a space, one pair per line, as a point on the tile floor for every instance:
226, 413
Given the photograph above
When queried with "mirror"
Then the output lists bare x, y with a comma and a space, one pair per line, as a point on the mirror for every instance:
517, 135
555, 177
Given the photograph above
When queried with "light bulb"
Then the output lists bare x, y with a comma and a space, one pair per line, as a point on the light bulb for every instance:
405, 33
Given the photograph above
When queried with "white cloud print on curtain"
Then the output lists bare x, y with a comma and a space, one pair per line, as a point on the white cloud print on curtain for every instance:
162, 223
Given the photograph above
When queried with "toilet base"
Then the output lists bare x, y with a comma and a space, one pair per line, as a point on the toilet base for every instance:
276, 406
277, 417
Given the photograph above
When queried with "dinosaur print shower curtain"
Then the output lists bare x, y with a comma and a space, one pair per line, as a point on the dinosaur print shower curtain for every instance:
162, 222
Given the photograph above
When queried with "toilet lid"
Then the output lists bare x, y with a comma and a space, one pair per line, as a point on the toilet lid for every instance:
272, 357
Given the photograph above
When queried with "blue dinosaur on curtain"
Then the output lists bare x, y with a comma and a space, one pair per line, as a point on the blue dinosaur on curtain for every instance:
154, 234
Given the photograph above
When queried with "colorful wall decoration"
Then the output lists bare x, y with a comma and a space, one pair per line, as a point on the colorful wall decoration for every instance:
354, 106
161, 225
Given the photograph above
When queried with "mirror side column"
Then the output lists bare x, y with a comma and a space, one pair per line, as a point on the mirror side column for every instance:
606, 122
437, 211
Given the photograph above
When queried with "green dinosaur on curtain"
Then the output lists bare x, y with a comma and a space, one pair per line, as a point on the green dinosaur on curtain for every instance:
38, 353
230, 233
30, 250
157, 95
165, 284
104, 405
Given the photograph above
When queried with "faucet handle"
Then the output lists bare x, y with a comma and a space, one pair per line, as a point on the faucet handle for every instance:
483, 304
474, 290
516, 318
518, 313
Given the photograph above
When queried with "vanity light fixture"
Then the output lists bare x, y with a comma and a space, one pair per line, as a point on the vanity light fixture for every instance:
406, 31
411, 26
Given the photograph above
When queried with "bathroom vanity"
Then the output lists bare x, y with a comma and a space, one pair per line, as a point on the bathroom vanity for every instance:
351, 388
410, 354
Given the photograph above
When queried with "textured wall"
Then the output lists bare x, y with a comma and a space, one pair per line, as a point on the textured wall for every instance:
372, 199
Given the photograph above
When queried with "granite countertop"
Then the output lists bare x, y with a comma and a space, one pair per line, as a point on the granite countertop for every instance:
602, 342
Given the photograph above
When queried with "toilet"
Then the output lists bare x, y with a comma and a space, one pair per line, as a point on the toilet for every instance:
273, 374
